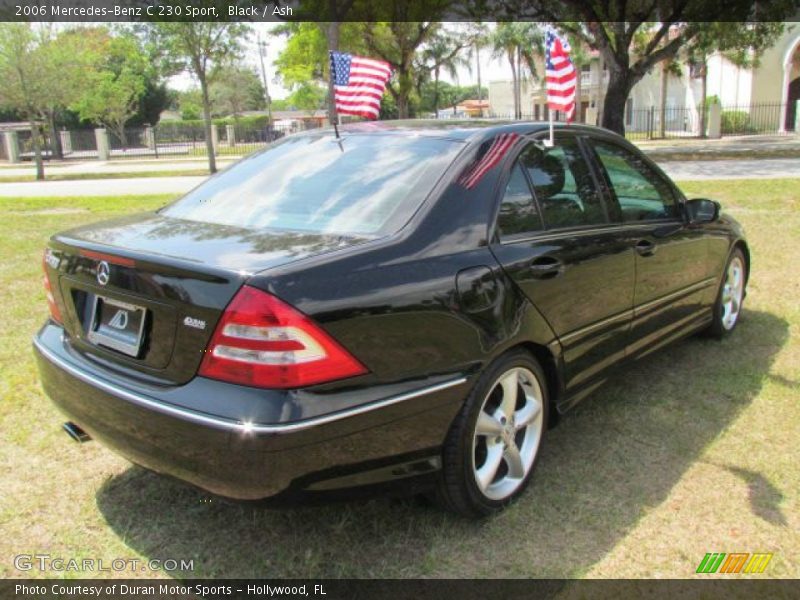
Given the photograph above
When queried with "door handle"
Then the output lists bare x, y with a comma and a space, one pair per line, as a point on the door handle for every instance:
546, 267
645, 248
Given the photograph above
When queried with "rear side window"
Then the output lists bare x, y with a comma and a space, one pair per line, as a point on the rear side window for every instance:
370, 184
642, 194
518, 210
563, 185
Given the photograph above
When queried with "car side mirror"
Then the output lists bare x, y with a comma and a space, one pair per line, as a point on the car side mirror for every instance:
702, 210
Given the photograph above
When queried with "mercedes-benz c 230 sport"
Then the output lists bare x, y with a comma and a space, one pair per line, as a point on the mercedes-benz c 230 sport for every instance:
412, 303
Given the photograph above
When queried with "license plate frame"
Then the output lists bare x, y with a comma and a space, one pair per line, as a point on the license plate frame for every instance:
123, 331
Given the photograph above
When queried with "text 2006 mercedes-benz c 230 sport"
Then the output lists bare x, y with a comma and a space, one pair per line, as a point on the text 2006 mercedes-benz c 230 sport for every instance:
413, 304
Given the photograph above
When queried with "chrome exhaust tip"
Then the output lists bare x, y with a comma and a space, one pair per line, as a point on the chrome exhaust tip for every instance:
76, 433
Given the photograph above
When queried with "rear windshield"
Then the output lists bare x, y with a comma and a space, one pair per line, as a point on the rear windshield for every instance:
371, 184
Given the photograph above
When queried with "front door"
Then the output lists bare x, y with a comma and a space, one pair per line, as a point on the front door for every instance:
555, 240
673, 282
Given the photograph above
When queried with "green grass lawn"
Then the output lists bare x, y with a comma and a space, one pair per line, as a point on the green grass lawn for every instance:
692, 450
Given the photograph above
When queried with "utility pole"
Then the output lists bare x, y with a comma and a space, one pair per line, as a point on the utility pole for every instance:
262, 50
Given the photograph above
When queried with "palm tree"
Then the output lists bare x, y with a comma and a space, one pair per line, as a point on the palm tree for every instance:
521, 44
444, 53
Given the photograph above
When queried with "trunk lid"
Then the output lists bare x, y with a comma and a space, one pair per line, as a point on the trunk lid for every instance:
142, 294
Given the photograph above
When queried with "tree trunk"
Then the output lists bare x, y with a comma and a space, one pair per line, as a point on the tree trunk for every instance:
519, 86
37, 150
436, 93
404, 87
333, 46
55, 139
619, 87
662, 111
123, 139
212, 160
480, 90
513, 80
703, 103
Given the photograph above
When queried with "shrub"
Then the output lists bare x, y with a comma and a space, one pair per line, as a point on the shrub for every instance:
736, 121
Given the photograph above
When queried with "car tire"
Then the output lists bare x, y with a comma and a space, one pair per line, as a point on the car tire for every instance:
493, 443
730, 297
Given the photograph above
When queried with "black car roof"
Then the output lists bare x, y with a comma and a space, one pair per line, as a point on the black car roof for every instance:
457, 129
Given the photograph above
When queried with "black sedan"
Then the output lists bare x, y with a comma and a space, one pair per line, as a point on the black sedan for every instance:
411, 304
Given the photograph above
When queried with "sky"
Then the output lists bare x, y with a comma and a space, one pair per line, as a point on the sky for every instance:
491, 69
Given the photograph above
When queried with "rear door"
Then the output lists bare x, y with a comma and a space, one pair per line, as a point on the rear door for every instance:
555, 238
672, 282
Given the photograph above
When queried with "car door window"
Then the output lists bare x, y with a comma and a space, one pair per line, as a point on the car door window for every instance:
518, 210
642, 194
563, 185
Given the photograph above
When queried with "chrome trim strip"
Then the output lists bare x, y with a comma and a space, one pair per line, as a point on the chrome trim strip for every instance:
623, 317
550, 234
241, 427
636, 311
695, 287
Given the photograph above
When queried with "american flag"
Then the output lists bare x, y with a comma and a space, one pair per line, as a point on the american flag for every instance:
358, 84
560, 74
493, 155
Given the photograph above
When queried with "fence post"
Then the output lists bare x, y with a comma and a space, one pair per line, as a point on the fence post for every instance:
12, 146
66, 141
715, 121
230, 134
651, 122
214, 138
101, 136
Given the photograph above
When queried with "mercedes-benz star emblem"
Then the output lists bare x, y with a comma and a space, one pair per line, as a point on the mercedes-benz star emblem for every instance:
103, 272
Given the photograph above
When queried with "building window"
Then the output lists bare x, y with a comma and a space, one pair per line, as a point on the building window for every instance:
629, 112
535, 112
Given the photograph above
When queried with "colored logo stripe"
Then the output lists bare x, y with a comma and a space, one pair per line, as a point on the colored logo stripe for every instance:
736, 562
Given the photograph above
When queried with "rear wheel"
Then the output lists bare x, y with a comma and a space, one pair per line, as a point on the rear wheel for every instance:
491, 449
728, 306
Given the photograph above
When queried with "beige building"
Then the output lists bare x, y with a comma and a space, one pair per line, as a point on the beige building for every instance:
769, 93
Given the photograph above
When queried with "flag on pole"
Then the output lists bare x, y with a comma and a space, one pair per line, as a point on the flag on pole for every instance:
493, 155
560, 74
358, 84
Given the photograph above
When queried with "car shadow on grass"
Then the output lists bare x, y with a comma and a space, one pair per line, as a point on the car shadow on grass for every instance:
614, 457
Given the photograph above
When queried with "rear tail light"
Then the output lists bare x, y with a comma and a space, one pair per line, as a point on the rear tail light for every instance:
262, 341
55, 312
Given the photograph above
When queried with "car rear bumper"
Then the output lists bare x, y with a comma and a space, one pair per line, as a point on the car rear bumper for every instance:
246, 443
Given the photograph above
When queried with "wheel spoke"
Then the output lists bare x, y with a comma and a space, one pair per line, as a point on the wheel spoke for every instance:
510, 384
494, 456
488, 425
527, 414
514, 462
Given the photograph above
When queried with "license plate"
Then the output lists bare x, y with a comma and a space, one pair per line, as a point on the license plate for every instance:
117, 325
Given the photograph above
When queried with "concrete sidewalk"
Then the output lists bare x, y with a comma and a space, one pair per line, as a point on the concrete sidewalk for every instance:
744, 147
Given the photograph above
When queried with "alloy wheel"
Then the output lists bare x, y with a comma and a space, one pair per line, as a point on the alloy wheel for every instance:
732, 291
507, 433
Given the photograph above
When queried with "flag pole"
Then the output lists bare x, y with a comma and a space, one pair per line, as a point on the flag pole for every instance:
333, 114
550, 142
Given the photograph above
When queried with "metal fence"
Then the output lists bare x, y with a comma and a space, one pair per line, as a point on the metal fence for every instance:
685, 122
188, 140
3, 149
168, 140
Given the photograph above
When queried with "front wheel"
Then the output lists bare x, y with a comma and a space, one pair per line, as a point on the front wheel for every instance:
728, 307
493, 444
